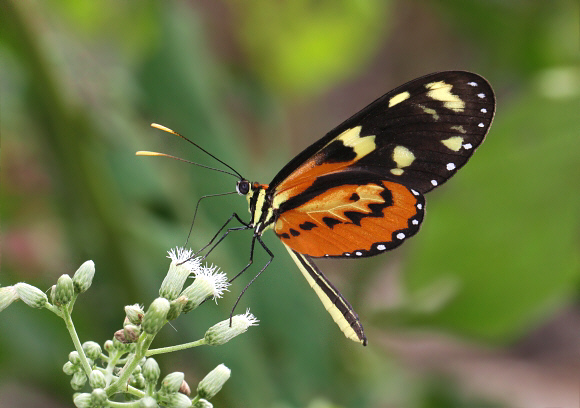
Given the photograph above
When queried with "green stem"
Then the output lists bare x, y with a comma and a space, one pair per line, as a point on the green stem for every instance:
134, 404
170, 349
53, 309
75, 338
143, 344
111, 364
135, 391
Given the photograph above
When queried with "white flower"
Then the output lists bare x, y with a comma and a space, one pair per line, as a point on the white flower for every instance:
182, 265
223, 332
209, 282
7, 296
213, 382
184, 257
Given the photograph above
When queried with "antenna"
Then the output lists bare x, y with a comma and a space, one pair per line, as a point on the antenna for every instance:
166, 129
147, 153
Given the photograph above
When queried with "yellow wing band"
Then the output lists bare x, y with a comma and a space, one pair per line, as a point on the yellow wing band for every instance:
336, 305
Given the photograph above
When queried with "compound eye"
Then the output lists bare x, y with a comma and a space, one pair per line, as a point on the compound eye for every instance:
243, 187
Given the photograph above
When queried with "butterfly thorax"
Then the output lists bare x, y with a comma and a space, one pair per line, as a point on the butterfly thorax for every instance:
259, 205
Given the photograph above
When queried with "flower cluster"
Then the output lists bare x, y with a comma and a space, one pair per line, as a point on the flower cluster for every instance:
124, 364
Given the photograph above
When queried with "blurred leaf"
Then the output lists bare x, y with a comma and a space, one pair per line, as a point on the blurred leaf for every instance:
303, 47
507, 228
523, 35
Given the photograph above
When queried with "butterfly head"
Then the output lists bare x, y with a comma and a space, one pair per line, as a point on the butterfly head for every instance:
259, 203
243, 187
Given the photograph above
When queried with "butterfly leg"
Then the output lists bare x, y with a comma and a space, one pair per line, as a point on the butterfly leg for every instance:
254, 238
234, 215
197, 207
250, 262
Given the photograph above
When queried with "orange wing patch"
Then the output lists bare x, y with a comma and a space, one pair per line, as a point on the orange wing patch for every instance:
352, 220
341, 152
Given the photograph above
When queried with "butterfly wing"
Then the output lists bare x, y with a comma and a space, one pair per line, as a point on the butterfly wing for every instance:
358, 191
401, 146
336, 305
418, 134
356, 216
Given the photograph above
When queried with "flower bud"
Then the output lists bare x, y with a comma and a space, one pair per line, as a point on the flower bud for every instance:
31, 295
213, 382
185, 389
178, 400
172, 382
64, 291
222, 332
78, 380
139, 381
131, 333
180, 268
208, 283
151, 371
7, 296
74, 357
99, 397
176, 306
83, 277
69, 368
108, 346
97, 379
154, 318
134, 314
202, 403
92, 349
148, 402
119, 335
83, 400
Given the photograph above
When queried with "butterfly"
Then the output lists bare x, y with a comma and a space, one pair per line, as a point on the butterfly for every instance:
359, 190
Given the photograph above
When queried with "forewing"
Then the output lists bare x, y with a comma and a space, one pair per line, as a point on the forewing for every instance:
418, 134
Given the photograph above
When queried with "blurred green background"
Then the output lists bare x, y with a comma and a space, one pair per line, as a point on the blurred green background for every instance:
479, 310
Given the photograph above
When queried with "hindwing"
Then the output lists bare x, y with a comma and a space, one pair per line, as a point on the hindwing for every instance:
357, 217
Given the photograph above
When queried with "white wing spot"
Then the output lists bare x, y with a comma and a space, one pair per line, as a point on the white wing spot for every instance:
400, 235
346, 254
481, 95
483, 110
450, 166
381, 247
415, 222
358, 253
420, 206
472, 83
467, 146
415, 193
481, 125
434, 182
